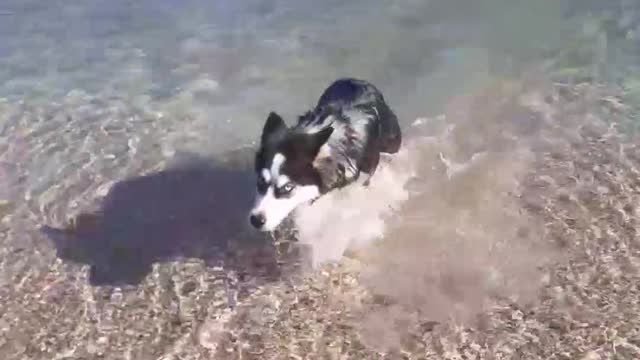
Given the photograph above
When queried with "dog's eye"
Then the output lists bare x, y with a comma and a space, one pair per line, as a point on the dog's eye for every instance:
284, 190
287, 188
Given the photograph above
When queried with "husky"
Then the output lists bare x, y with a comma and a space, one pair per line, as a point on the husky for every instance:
330, 147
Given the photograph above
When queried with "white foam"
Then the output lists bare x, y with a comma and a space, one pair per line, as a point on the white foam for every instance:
357, 216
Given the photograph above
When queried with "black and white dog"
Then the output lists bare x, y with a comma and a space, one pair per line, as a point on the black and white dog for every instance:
327, 149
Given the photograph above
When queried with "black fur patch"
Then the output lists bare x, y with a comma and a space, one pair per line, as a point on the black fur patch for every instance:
355, 122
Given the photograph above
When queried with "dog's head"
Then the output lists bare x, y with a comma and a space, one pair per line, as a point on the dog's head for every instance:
286, 171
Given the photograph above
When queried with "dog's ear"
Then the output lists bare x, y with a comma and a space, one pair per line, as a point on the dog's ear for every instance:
320, 138
273, 125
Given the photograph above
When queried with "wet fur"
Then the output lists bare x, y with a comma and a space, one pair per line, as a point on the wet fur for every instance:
332, 145
364, 126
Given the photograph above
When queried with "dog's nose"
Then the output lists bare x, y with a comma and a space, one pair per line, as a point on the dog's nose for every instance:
257, 220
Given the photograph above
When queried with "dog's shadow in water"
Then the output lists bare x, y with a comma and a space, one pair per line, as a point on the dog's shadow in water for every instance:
196, 210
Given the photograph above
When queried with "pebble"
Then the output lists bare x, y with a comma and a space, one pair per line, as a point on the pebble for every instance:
103, 190
591, 355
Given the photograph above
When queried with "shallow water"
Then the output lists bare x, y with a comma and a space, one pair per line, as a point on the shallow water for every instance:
96, 94
152, 79
159, 48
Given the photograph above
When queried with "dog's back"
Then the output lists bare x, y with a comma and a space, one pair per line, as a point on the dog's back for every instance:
364, 126
348, 94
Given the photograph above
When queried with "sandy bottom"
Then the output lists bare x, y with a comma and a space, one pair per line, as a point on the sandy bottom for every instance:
505, 229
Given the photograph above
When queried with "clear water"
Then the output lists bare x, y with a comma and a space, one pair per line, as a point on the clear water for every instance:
211, 70
170, 77
234, 61
268, 54
92, 93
